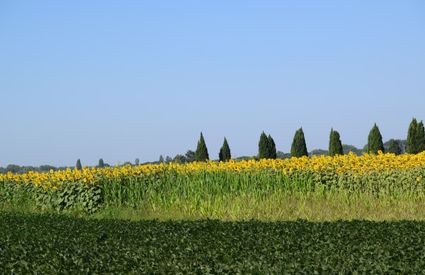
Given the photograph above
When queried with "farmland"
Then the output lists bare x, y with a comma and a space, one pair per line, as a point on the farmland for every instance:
373, 187
300, 215
47, 244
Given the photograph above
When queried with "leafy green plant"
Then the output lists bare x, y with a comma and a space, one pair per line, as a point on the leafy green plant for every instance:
70, 196
46, 244
208, 194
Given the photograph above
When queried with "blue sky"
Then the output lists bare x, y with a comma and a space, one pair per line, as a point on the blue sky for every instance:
136, 79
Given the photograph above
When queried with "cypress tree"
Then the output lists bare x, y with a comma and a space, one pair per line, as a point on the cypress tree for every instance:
225, 153
394, 147
271, 146
412, 144
161, 159
299, 147
201, 153
101, 163
78, 165
375, 144
335, 144
263, 146
420, 137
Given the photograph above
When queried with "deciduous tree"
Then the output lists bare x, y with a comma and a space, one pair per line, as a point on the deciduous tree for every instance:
394, 147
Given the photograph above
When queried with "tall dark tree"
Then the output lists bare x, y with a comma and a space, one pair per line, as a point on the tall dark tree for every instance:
394, 147
225, 154
272, 154
375, 143
263, 146
299, 147
201, 153
161, 159
420, 137
412, 143
101, 163
335, 144
78, 165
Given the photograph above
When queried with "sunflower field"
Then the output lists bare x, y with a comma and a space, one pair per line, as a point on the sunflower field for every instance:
204, 187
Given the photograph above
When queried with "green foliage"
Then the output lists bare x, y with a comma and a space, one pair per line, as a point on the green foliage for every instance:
375, 143
70, 196
161, 159
299, 147
78, 165
80, 197
396, 143
16, 169
413, 137
225, 154
52, 244
319, 152
266, 147
282, 155
394, 147
271, 148
350, 148
335, 144
201, 153
101, 163
179, 159
263, 146
420, 137
190, 156
17, 194
207, 194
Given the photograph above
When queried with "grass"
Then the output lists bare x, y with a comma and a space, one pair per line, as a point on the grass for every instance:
52, 244
283, 207
276, 208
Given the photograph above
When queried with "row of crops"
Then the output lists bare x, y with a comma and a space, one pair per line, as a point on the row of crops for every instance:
204, 185
50, 244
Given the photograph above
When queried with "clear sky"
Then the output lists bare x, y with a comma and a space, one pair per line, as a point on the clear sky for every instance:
136, 79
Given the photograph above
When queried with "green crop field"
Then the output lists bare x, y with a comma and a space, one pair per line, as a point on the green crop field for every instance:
56, 244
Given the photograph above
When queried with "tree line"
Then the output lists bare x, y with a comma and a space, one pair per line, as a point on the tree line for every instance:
414, 144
